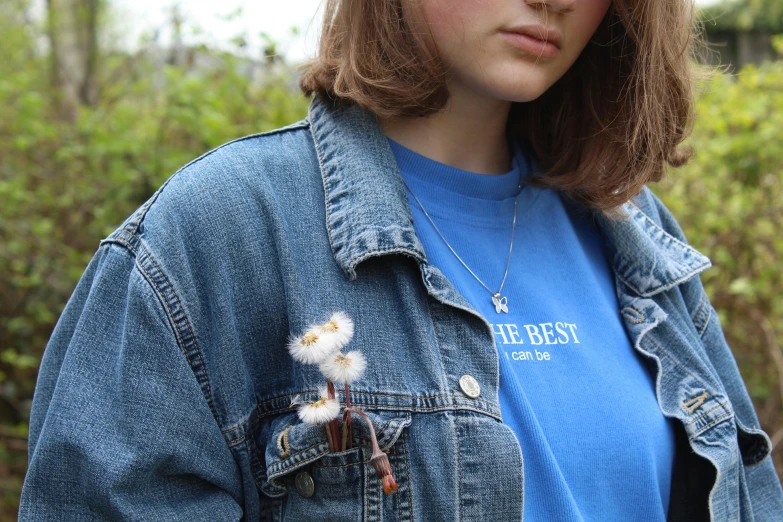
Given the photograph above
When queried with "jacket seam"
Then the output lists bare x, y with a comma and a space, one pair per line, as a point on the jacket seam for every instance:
660, 227
186, 340
258, 413
327, 188
709, 313
407, 475
248, 425
662, 287
258, 470
698, 315
699, 267
384, 250
677, 363
146, 277
444, 372
459, 470
705, 414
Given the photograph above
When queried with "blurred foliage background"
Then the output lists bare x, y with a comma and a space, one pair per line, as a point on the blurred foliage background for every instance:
88, 131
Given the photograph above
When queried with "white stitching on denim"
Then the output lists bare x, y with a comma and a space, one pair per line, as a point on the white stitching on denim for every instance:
653, 223
640, 316
407, 476
444, 371
283, 447
695, 317
459, 468
693, 404
706, 321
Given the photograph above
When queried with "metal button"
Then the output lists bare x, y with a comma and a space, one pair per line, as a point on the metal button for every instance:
304, 484
469, 386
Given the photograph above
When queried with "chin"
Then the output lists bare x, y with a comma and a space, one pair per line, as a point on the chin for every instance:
517, 83
520, 91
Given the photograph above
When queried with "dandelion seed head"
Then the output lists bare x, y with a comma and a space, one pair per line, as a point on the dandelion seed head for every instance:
310, 348
344, 367
309, 338
337, 331
330, 326
319, 411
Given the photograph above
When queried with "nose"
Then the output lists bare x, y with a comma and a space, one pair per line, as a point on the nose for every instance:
561, 6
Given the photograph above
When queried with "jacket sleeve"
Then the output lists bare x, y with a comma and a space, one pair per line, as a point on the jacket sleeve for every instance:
119, 426
761, 478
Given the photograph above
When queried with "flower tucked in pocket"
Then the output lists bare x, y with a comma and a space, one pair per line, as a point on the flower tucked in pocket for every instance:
294, 444
343, 483
321, 344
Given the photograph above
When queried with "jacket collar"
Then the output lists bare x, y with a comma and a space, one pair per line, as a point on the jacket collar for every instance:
368, 214
647, 258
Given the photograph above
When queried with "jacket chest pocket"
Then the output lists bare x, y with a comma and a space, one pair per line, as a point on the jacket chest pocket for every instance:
313, 484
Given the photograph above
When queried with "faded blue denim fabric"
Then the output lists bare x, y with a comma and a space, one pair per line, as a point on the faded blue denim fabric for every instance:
164, 392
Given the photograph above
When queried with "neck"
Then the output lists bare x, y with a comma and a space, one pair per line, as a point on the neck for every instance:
469, 133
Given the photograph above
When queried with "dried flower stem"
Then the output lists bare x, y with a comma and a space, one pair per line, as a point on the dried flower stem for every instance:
329, 437
378, 459
347, 431
332, 427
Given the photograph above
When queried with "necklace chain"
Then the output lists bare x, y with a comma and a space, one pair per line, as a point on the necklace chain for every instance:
499, 302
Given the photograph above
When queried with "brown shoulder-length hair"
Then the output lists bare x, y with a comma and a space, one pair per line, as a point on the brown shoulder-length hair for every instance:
602, 131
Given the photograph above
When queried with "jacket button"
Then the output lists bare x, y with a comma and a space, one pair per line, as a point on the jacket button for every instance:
469, 386
304, 484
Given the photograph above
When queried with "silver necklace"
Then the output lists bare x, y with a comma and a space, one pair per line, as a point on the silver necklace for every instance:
500, 302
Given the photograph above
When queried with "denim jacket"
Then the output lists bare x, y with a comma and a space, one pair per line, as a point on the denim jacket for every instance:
165, 390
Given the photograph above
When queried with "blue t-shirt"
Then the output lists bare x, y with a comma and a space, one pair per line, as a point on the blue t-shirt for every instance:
580, 399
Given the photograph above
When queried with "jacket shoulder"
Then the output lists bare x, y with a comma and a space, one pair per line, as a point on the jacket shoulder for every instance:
224, 178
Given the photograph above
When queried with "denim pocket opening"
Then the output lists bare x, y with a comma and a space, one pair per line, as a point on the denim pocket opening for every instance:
293, 444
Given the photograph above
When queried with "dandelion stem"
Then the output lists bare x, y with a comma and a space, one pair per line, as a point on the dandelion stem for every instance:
347, 431
329, 437
335, 430
378, 459
346, 418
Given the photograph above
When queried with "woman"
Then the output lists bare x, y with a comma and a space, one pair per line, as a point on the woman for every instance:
465, 204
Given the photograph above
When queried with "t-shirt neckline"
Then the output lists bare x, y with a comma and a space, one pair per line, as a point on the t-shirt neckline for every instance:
494, 187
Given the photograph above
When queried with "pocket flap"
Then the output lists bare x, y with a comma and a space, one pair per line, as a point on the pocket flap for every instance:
294, 444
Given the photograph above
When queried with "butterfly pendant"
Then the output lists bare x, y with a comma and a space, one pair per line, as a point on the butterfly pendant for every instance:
500, 303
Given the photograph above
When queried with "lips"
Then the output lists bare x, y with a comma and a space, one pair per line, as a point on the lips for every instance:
539, 32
